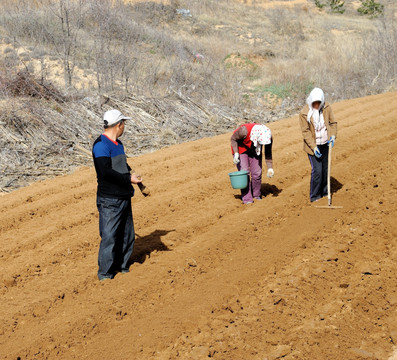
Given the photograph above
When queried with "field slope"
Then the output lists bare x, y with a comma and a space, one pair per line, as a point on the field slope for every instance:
213, 278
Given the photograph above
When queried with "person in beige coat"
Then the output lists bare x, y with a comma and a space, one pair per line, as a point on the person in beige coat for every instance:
319, 131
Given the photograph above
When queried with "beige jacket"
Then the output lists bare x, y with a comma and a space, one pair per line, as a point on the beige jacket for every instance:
308, 132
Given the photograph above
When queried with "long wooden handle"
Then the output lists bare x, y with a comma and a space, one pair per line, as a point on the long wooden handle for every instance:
329, 174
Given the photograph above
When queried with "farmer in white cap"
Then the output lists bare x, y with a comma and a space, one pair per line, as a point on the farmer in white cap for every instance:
319, 131
114, 194
247, 143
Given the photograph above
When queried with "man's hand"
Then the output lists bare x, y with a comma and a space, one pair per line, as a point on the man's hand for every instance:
136, 179
317, 153
331, 141
236, 158
270, 173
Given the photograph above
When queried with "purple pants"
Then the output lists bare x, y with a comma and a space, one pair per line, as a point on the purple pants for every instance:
251, 162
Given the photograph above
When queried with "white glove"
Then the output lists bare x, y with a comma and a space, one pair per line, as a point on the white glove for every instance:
236, 158
270, 173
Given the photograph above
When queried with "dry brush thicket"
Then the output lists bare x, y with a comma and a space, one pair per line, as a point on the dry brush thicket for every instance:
63, 62
44, 133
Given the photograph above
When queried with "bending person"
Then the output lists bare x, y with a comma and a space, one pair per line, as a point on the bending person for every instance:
247, 143
319, 131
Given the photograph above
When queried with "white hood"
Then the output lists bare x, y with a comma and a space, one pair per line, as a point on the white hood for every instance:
316, 95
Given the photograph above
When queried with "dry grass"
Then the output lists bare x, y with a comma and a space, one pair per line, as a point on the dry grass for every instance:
258, 63
44, 133
146, 48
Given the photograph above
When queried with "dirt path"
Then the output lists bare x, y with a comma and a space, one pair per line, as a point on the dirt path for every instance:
213, 278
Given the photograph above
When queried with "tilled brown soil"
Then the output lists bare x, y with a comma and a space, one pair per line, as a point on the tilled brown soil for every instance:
213, 278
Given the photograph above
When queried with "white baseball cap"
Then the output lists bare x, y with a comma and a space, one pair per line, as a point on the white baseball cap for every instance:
113, 116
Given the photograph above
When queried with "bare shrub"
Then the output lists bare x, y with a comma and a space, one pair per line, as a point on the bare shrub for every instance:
30, 24
9, 50
344, 69
198, 8
126, 45
156, 13
56, 23
11, 60
380, 54
287, 24
25, 85
147, 49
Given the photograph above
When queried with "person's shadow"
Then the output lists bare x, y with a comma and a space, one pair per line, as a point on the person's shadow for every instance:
335, 185
145, 245
268, 189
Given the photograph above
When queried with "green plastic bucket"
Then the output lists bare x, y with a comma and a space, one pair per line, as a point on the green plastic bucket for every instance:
239, 179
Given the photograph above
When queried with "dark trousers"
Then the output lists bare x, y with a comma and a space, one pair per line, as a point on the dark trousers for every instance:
116, 228
318, 182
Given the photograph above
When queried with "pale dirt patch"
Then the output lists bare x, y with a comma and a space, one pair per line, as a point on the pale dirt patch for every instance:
394, 355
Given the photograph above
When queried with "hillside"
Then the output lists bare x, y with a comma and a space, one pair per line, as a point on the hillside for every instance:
184, 70
213, 278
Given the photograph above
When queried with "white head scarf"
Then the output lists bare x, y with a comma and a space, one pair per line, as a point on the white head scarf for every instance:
260, 135
318, 118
